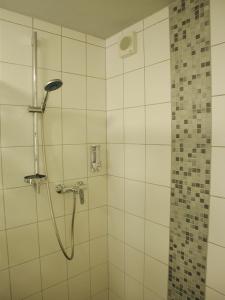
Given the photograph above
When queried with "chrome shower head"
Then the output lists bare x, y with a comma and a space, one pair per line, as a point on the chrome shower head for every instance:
53, 85
50, 86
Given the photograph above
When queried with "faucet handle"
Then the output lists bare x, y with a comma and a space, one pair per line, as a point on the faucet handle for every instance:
59, 188
81, 185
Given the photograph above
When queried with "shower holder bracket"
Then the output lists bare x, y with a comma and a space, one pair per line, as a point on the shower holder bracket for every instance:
35, 180
35, 109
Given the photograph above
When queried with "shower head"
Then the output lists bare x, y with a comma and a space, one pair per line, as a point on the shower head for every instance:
53, 85
50, 86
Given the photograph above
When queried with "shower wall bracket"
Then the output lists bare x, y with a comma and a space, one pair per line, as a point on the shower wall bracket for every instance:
35, 179
35, 109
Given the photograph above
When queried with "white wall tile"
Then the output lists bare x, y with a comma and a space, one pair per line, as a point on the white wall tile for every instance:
156, 41
98, 222
218, 171
5, 285
134, 88
101, 296
81, 232
134, 231
52, 126
98, 251
43, 210
96, 93
80, 263
150, 295
35, 297
114, 39
95, 40
20, 206
73, 34
17, 163
114, 87
16, 84
136, 60
218, 69
22, 244
135, 162
77, 51
115, 159
25, 279
213, 295
157, 241
49, 50
74, 126
133, 289
57, 292
158, 204
76, 167
97, 191
96, 127
156, 77
114, 64
46, 26
15, 17
217, 21
215, 269
158, 124
136, 27
156, 276
158, 164
14, 121
135, 197
4, 250
54, 163
73, 91
116, 282
79, 286
13, 36
157, 17
2, 211
47, 238
134, 125
134, 263
216, 221
116, 252
99, 279
218, 110
116, 192
115, 126
116, 223
95, 61
50, 266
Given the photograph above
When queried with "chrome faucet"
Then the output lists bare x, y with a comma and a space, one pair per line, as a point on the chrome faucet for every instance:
77, 188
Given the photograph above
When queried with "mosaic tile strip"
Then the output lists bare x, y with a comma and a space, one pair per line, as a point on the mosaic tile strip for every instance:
191, 147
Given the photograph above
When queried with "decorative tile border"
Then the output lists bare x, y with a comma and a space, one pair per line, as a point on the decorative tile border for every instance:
191, 147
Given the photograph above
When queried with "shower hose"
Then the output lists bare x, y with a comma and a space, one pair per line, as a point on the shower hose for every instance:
62, 247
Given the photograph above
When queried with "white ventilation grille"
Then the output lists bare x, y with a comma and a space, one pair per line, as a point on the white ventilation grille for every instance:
128, 45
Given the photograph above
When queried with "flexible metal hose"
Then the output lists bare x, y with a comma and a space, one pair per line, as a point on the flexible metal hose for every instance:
67, 256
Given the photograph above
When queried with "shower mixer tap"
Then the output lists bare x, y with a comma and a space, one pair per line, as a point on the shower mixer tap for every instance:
77, 188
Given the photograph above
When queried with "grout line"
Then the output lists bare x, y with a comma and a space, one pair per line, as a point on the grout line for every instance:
137, 69
139, 106
124, 192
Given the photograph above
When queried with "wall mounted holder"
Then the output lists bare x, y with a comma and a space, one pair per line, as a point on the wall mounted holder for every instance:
95, 159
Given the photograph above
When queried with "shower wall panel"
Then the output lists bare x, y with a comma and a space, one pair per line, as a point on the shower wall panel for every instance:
31, 264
